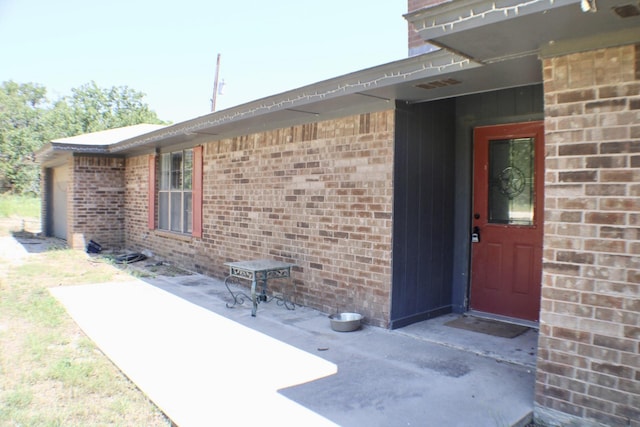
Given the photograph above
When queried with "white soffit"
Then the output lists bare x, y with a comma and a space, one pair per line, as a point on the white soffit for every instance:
462, 15
491, 31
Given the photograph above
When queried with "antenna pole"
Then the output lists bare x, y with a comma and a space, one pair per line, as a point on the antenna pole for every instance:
215, 85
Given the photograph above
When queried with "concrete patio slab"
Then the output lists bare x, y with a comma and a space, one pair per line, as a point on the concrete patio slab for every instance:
200, 368
206, 364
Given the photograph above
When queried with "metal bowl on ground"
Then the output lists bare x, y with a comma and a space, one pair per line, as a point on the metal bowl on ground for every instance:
345, 322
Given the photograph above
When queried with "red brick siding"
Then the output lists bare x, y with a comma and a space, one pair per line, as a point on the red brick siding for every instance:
588, 361
319, 195
136, 225
96, 202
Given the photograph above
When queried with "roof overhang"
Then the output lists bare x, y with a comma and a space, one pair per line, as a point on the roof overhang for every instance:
53, 156
58, 151
368, 90
500, 30
434, 75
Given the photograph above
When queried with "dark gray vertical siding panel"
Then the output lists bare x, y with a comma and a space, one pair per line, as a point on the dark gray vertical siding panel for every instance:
433, 197
423, 192
399, 209
414, 223
529, 99
423, 220
443, 214
505, 103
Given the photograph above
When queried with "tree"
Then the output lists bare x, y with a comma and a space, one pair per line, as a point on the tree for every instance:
22, 107
28, 120
95, 109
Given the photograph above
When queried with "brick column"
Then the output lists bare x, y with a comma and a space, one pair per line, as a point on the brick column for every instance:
96, 202
588, 356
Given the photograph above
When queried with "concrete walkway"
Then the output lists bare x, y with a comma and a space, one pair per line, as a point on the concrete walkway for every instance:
207, 365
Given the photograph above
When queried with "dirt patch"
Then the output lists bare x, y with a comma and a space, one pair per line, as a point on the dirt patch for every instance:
36, 243
148, 267
158, 268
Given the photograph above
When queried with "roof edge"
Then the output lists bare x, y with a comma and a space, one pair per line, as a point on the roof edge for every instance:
406, 69
454, 16
50, 152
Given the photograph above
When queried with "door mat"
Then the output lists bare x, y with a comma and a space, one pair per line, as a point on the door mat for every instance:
487, 326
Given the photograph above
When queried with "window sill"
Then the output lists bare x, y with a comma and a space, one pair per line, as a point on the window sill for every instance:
173, 235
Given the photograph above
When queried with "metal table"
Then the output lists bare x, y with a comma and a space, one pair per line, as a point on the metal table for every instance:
259, 270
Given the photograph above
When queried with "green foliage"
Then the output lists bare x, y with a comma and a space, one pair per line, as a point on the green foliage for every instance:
92, 109
22, 107
28, 120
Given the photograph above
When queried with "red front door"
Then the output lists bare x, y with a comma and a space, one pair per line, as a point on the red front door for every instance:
506, 260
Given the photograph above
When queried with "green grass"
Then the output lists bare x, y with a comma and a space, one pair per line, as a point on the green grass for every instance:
14, 403
51, 374
12, 205
66, 267
19, 398
38, 343
73, 372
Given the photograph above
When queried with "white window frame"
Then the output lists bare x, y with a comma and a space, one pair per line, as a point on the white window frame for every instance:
175, 191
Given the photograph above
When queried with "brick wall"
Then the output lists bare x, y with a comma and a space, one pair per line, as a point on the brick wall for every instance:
319, 195
589, 361
96, 202
136, 179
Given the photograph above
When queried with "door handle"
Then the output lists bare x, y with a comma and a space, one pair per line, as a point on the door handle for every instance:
475, 236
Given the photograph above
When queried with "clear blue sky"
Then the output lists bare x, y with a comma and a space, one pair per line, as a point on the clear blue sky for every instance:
168, 49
